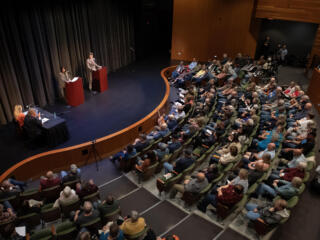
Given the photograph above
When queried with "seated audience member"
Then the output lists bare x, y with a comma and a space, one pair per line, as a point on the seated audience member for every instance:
73, 174
288, 174
50, 180
269, 213
159, 132
141, 143
181, 164
296, 159
286, 190
174, 144
161, 151
211, 172
265, 160
133, 225
171, 122
8, 190
227, 158
111, 232
126, 154
33, 126
315, 183
227, 195
270, 149
193, 185
241, 179
84, 235
6, 215
179, 69
180, 114
108, 205
67, 196
19, 115
151, 158
87, 214
29, 206
86, 188
256, 171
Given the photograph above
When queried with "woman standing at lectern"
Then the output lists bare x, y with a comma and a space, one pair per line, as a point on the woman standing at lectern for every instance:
64, 76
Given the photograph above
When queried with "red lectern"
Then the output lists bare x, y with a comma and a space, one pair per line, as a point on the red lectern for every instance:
74, 93
99, 80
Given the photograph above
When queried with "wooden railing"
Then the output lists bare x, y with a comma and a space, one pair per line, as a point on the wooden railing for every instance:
56, 160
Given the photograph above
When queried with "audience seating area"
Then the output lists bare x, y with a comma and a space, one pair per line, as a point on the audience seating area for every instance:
223, 126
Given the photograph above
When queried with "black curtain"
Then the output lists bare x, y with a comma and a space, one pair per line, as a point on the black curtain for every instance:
38, 37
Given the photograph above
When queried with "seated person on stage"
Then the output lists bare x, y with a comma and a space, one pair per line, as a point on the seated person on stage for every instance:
286, 190
193, 185
133, 225
269, 213
33, 125
86, 188
6, 214
125, 154
161, 151
227, 195
143, 164
226, 158
108, 205
67, 196
141, 143
50, 180
86, 215
211, 172
288, 174
19, 115
181, 164
111, 231
73, 174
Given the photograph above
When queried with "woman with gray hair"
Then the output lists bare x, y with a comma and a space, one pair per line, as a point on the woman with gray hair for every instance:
133, 224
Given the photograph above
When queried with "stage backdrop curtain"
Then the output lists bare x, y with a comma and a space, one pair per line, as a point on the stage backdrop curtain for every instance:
38, 37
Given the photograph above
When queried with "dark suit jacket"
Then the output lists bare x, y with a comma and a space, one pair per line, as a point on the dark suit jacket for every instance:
32, 126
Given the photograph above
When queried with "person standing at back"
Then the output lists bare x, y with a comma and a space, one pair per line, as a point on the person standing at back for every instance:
92, 67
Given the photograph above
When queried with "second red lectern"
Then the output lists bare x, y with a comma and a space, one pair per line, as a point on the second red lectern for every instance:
74, 92
99, 80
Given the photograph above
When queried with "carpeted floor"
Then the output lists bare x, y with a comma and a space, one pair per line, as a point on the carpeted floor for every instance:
134, 91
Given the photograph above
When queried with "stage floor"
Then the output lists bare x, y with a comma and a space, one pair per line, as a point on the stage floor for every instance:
134, 91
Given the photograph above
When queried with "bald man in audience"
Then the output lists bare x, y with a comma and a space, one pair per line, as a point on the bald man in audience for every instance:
193, 185
87, 215
50, 180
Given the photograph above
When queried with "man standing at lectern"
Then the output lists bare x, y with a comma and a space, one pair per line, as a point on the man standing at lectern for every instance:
64, 76
92, 66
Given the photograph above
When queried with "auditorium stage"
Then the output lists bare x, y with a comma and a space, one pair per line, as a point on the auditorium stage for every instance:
134, 91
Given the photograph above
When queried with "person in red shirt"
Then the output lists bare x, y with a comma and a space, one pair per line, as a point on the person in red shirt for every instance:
227, 195
49, 181
86, 189
289, 173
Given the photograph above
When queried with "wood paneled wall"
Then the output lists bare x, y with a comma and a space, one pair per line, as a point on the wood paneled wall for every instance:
316, 46
206, 28
295, 10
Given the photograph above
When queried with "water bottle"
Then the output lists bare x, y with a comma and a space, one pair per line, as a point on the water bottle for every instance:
54, 115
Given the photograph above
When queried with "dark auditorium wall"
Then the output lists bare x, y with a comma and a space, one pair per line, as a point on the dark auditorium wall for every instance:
37, 37
298, 36
204, 28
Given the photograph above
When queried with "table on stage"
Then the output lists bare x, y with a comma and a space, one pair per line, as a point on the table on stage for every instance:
74, 92
100, 80
54, 128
